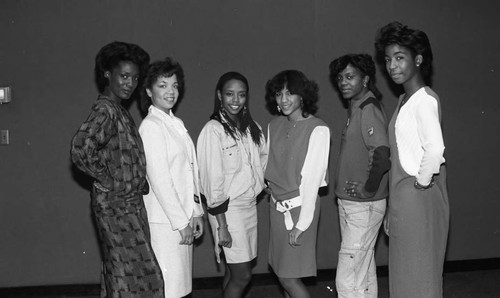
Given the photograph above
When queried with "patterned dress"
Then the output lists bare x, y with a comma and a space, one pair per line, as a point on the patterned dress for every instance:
108, 148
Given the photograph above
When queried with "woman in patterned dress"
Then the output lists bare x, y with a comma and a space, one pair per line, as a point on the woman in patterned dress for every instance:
108, 148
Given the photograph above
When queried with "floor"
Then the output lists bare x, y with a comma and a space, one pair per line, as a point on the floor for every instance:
459, 284
470, 284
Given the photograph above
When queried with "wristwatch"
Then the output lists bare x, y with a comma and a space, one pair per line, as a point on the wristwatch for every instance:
423, 187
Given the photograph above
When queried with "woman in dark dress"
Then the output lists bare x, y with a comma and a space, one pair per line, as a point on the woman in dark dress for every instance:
108, 148
299, 145
418, 215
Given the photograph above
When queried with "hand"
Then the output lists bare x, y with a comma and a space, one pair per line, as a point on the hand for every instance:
100, 187
186, 235
197, 223
225, 239
386, 225
356, 189
267, 190
294, 237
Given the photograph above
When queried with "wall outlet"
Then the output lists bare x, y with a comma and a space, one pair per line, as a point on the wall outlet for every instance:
5, 95
4, 137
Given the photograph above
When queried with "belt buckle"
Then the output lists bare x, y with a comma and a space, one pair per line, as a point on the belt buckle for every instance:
283, 205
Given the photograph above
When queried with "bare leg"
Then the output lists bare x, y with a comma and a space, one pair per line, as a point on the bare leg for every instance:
294, 288
239, 276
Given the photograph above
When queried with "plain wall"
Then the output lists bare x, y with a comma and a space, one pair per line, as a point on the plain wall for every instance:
47, 51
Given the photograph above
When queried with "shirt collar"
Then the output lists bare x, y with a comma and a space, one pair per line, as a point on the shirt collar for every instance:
161, 113
357, 103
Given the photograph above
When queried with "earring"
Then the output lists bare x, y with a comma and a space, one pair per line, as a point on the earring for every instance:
279, 109
364, 84
221, 109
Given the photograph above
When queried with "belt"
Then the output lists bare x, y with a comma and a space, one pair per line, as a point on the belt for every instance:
285, 206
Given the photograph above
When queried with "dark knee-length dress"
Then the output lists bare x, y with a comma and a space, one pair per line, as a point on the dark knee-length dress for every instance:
108, 148
418, 229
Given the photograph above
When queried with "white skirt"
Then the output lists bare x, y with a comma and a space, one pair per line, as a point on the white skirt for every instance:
242, 225
176, 260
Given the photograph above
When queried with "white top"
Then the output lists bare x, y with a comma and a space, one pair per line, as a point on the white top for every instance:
419, 137
172, 170
229, 168
313, 174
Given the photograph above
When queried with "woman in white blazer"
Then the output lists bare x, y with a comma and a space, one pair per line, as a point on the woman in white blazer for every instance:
173, 205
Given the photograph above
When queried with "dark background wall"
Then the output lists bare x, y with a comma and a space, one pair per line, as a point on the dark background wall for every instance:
47, 51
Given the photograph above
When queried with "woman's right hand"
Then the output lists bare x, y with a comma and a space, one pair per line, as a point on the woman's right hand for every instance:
186, 235
225, 239
386, 224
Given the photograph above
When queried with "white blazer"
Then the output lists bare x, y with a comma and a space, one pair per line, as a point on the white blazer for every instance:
172, 170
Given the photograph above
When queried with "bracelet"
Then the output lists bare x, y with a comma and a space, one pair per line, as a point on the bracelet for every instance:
223, 226
100, 187
423, 187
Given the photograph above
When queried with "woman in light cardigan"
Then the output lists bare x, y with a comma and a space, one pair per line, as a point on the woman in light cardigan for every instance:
173, 205
418, 215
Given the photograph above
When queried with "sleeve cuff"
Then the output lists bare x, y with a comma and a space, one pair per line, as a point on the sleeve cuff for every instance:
219, 209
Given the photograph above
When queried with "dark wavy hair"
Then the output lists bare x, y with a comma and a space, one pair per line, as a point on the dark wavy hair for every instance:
363, 62
244, 116
297, 83
163, 68
112, 54
413, 39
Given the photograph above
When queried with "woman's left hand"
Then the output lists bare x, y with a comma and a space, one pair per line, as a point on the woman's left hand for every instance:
197, 224
356, 189
294, 237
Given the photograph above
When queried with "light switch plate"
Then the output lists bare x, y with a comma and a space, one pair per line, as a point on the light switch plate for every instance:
5, 95
4, 137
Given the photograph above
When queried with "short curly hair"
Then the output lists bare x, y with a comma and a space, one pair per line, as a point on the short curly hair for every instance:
413, 39
164, 68
363, 62
297, 83
110, 56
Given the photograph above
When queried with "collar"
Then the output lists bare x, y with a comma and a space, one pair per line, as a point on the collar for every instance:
161, 113
357, 103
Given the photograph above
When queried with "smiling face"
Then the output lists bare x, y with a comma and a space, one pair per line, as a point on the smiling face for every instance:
290, 104
233, 97
164, 93
352, 83
401, 65
123, 80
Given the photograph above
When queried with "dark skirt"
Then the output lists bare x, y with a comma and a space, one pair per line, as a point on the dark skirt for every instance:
130, 268
418, 231
288, 261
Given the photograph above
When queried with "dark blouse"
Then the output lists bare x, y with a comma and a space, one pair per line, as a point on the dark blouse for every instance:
108, 148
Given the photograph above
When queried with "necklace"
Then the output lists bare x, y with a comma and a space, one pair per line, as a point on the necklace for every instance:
290, 129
